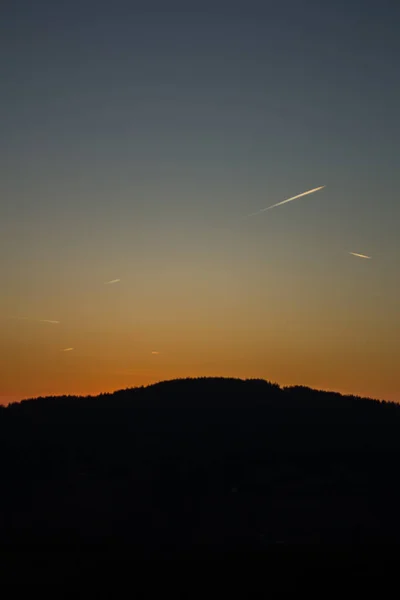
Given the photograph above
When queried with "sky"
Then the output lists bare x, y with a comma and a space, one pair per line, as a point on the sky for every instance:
135, 140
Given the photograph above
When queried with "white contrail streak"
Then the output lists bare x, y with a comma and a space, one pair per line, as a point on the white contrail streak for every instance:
288, 200
360, 255
112, 281
48, 321
67, 349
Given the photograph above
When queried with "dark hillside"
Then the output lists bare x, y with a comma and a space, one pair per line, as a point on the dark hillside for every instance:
200, 466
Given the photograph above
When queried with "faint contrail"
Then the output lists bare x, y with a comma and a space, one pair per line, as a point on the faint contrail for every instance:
67, 349
288, 200
112, 281
155, 352
359, 255
48, 321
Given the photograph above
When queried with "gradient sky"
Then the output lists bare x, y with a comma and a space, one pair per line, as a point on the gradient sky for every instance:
134, 138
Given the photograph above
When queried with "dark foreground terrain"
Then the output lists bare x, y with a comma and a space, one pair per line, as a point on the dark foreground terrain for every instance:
199, 468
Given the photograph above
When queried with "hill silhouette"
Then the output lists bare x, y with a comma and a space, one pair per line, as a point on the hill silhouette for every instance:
200, 466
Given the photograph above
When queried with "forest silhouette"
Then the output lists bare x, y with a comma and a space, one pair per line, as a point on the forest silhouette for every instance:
200, 467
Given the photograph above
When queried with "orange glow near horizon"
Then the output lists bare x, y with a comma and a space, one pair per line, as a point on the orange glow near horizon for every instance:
277, 318
295, 344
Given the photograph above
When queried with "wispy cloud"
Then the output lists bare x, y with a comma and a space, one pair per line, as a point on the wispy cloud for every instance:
154, 352
49, 321
112, 281
67, 349
288, 200
360, 255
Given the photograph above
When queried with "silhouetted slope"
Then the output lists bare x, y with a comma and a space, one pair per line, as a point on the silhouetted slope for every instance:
200, 465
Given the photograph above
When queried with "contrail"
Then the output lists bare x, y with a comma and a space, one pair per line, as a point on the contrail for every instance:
111, 282
67, 349
288, 200
48, 321
359, 255
154, 352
